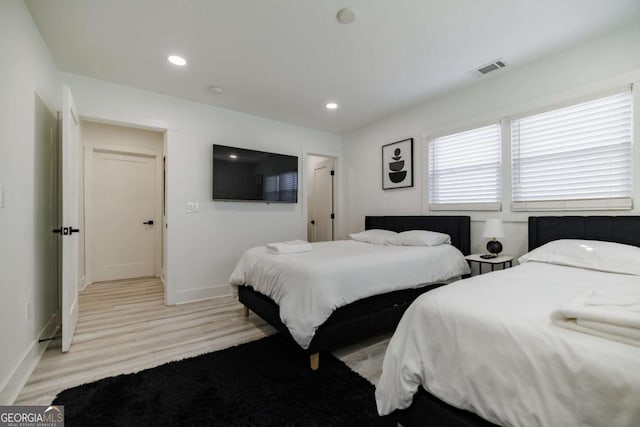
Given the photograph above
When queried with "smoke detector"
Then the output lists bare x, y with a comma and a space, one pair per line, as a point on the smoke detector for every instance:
216, 90
496, 64
346, 16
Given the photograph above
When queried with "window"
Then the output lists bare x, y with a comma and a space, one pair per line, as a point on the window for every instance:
464, 170
577, 157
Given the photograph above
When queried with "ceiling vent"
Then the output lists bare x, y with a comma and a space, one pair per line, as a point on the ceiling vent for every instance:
490, 67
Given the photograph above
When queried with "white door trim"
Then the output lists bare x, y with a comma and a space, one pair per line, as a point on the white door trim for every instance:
90, 151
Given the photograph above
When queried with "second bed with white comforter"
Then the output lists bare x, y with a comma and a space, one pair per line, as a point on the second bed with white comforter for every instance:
488, 345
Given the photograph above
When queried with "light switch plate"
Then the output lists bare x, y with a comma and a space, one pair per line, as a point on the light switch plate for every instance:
192, 207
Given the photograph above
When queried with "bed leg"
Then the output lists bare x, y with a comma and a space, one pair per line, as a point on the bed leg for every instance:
245, 311
314, 360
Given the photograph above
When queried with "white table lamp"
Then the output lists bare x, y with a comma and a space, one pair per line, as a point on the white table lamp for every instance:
492, 230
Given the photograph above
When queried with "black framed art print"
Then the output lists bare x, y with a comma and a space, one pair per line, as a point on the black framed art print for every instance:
397, 164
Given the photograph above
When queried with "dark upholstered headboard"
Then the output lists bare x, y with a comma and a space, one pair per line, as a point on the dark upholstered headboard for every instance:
458, 227
619, 229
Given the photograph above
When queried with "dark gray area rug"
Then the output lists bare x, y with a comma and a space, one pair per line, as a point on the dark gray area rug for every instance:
262, 383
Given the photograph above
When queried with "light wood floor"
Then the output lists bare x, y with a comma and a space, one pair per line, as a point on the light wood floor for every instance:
125, 327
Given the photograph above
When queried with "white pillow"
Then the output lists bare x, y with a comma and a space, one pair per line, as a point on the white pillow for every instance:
591, 254
419, 238
374, 236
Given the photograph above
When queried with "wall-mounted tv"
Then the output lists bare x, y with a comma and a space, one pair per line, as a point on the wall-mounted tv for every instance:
249, 175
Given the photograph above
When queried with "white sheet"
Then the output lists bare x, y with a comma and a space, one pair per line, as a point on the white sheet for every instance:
487, 345
308, 287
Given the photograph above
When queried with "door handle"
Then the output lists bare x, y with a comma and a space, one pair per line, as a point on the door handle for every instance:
150, 222
65, 231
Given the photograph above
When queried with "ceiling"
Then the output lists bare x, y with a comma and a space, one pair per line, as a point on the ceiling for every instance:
285, 59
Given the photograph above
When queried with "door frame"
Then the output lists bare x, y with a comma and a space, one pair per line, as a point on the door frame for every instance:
90, 150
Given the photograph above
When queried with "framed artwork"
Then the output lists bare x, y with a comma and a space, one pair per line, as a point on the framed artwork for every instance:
397, 164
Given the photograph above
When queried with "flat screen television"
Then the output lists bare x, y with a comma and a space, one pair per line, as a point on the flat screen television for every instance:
249, 175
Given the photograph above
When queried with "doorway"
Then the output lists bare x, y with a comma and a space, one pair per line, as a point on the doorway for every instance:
123, 201
320, 198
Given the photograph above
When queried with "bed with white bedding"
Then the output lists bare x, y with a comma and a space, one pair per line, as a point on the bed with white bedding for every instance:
343, 291
504, 346
309, 286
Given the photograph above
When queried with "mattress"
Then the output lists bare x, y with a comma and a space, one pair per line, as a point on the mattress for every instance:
487, 345
309, 286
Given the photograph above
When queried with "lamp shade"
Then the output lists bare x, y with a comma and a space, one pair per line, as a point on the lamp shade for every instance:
493, 229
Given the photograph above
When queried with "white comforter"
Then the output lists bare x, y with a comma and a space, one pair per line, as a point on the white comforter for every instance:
309, 286
487, 344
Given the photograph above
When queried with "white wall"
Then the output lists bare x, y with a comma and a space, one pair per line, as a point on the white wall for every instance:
601, 64
103, 134
27, 70
204, 247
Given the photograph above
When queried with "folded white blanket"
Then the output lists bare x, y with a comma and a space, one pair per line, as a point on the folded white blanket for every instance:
613, 313
289, 247
624, 296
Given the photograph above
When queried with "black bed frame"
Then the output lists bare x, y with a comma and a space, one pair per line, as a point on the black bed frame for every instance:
427, 410
370, 316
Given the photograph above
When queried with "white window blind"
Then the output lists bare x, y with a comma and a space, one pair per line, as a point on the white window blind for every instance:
577, 157
464, 170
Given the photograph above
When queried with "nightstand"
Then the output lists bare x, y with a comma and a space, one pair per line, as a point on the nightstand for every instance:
504, 260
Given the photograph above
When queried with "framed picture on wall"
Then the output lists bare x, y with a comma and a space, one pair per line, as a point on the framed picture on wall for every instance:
397, 164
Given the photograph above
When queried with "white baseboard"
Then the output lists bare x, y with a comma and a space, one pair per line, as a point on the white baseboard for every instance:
82, 283
12, 388
192, 295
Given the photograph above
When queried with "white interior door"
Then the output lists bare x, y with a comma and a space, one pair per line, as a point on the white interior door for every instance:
321, 202
69, 232
123, 219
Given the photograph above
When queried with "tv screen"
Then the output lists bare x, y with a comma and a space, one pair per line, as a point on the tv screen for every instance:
250, 175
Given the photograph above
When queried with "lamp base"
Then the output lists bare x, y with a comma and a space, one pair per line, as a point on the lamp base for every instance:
494, 248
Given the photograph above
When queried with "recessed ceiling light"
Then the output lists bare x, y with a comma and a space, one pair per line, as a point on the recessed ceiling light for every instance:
177, 60
233, 156
331, 106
